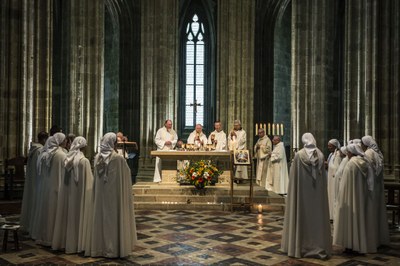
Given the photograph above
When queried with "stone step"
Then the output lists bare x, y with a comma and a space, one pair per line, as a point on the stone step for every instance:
203, 199
204, 206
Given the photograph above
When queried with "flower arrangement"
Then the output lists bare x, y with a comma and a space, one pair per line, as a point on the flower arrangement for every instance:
202, 173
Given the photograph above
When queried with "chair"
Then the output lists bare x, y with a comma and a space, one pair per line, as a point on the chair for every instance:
393, 202
14, 176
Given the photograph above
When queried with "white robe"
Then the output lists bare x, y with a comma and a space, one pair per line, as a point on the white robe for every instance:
262, 156
306, 229
50, 189
162, 136
220, 137
378, 205
75, 211
239, 143
113, 223
352, 228
30, 191
333, 164
192, 136
278, 169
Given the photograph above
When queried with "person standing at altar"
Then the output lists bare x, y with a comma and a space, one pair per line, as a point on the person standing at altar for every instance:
217, 137
332, 164
262, 151
237, 141
197, 137
278, 170
113, 225
306, 228
30, 189
165, 139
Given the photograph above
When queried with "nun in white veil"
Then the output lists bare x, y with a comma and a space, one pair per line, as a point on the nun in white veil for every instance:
114, 228
306, 229
75, 203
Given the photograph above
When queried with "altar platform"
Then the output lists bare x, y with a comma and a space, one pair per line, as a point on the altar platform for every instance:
154, 196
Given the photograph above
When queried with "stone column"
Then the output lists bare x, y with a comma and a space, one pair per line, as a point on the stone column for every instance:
159, 70
26, 73
360, 68
313, 71
235, 67
82, 81
387, 89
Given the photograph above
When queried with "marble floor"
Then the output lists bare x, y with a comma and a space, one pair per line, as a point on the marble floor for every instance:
201, 238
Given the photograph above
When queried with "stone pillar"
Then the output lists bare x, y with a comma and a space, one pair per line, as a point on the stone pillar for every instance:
26, 73
235, 67
387, 89
159, 70
313, 70
360, 68
80, 105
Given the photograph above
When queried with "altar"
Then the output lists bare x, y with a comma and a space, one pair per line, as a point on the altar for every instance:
171, 158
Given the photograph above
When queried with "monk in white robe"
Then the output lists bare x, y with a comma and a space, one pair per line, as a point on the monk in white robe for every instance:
306, 229
278, 169
352, 228
165, 140
197, 137
75, 203
52, 174
339, 173
378, 208
217, 137
237, 141
30, 189
262, 150
332, 163
113, 225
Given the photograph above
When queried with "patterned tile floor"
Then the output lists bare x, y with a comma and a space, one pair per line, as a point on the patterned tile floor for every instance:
202, 238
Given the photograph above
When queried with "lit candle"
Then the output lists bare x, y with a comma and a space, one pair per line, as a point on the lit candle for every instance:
273, 129
256, 128
269, 129
265, 127
282, 129
259, 208
277, 129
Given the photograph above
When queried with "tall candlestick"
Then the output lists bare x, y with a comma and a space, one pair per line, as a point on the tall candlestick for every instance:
282, 129
265, 127
256, 129
273, 129
277, 129
269, 129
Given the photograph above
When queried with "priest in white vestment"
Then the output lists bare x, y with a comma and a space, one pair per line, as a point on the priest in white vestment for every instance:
217, 137
306, 229
262, 150
278, 169
333, 163
352, 225
75, 203
165, 140
30, 190
375, 157
52, 173
237, 141
197, 137
113, 226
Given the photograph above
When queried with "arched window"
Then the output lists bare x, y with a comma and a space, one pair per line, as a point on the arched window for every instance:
197, 67
194, 85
